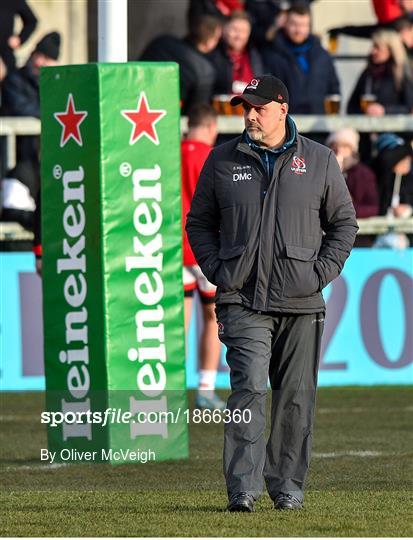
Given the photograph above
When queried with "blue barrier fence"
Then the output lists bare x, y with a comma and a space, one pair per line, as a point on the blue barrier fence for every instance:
368, 337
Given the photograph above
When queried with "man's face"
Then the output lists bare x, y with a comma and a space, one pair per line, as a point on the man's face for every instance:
263, 122
40, 60
213, 41
380, 53
342, 149
297, 27
406, 5
236, 34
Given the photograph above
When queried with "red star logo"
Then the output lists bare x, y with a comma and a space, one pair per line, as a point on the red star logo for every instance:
143, 120
70, 120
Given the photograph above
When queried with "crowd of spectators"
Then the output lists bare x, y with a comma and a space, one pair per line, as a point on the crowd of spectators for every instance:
228, 43
251, 38
276, 37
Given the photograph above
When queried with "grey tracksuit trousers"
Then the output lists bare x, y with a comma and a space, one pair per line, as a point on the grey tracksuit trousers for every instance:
284, 348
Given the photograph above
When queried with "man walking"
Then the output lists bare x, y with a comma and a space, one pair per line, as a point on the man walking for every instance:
256, 224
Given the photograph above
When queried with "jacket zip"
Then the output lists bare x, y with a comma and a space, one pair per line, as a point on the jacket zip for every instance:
257, 157
275, 178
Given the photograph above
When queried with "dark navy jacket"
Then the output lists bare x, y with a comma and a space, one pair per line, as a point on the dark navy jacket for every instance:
307, 90
272, 243
20, 93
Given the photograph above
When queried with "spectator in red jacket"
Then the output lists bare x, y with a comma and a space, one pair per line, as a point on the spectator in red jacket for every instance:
234, 60
217, 8
390, 13
202, 123
387, 10
361, 180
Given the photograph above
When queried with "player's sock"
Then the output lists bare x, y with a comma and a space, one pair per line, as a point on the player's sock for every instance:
207, 379
206, 397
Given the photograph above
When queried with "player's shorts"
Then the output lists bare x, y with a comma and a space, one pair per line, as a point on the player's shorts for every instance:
194, 279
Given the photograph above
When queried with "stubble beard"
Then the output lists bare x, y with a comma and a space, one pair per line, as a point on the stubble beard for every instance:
255, 134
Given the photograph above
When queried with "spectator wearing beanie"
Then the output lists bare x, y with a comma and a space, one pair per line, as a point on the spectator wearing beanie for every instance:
21, 97
394, 162
387, 76
21, 88
234, 60
361, 180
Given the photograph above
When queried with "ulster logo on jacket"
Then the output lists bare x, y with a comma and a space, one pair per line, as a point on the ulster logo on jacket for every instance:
298, 165
261, 240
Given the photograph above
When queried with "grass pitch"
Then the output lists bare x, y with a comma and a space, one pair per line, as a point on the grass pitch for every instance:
360, 482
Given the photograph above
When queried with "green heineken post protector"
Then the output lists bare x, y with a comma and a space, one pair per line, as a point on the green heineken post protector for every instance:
112, 261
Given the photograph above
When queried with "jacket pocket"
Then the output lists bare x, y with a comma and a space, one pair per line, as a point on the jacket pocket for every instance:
230, 274
300, 278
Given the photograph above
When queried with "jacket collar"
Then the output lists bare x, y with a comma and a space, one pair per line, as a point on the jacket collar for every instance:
291, 139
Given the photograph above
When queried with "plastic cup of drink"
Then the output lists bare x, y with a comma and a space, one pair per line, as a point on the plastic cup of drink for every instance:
366, 100
332, 104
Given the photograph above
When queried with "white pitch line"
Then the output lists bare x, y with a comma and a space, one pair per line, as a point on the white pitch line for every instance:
37, 467
18, 418
351, 453
326, 410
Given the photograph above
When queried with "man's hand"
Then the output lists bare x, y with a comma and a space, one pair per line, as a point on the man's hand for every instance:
375, 109
14, 42
403, 211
